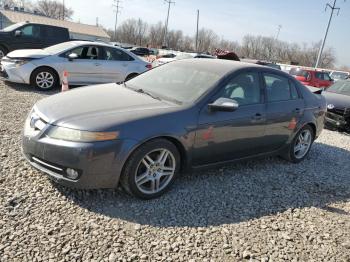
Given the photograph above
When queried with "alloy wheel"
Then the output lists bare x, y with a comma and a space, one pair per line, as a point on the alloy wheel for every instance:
302, 144
45, 80
155, 171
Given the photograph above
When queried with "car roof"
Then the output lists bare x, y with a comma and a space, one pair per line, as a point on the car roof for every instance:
80, 42
221, 66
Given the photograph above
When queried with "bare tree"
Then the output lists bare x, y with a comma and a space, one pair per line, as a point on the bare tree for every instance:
175, 39
53, 9
207, 40
9, 3
141, 28
156, 34
134, 31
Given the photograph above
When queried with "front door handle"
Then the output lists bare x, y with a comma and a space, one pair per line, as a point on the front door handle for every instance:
297, 110
257, 117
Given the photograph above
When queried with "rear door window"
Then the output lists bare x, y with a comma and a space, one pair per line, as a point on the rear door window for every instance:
279, 88
114, 54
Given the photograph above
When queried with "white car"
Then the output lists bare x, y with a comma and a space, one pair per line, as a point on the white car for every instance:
86, 63
339, 75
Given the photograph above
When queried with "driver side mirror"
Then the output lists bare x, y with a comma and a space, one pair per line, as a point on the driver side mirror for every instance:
224, 105
18, 33
72, 56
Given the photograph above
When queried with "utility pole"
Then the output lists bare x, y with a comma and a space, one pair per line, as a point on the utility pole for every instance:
63, 11
278, 31
332, 7
117, 11
167, 21
197, 31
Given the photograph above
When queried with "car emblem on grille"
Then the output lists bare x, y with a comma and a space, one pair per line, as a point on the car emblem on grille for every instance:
330, 106
33, 118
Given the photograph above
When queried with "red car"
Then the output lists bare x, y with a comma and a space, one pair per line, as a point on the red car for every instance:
310, 77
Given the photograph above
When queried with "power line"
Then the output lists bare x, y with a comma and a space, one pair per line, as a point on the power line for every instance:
117, 11
332, 7
167, 20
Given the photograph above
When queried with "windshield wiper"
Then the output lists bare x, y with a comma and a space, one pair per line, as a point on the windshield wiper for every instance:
140, 90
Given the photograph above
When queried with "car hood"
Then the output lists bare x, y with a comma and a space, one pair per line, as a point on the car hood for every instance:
100, 107
28, 53
338, 100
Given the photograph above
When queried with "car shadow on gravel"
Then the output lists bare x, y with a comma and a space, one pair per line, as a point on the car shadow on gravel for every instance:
31, 89
234, 193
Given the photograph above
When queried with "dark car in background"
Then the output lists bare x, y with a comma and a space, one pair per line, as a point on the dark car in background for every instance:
141, 51
31, 36
313, 78
338, 105
262, 62
188, 114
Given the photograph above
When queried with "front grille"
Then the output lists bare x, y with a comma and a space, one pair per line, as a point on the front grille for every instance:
340, 111
334, 116
34, 124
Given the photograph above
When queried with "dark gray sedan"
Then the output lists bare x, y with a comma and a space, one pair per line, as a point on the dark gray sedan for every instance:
187, 114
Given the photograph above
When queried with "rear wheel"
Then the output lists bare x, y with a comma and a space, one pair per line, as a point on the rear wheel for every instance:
301, 145
151, 169
44, 79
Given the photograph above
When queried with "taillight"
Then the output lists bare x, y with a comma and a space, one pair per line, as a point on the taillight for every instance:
149, 66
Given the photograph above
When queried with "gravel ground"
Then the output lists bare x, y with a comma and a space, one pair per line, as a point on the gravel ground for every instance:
264, 210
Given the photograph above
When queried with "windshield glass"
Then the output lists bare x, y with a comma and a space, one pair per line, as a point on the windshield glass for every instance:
339, 75
341, 87
55, 49
179, 82
12, 27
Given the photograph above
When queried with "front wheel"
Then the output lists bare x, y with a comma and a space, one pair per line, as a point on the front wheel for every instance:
44, 79
151, 169
301, 145
3, 52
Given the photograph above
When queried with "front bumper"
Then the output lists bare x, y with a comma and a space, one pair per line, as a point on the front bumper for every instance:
17, 74
337, 121
99, 164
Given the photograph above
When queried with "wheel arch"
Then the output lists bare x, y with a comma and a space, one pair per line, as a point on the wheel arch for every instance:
4, 47
180, 147
132, 75
45, 66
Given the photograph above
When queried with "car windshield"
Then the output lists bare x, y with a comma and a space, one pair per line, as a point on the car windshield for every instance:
340, 87
56, 49
339, 75
177, 82
12, 27
301, 73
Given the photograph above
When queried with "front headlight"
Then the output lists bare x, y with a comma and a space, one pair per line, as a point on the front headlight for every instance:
20, 62
68, 134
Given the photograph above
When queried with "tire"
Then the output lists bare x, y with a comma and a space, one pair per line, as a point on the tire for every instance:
141, 177
3, 52
296, 156
44, 79
131, 76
